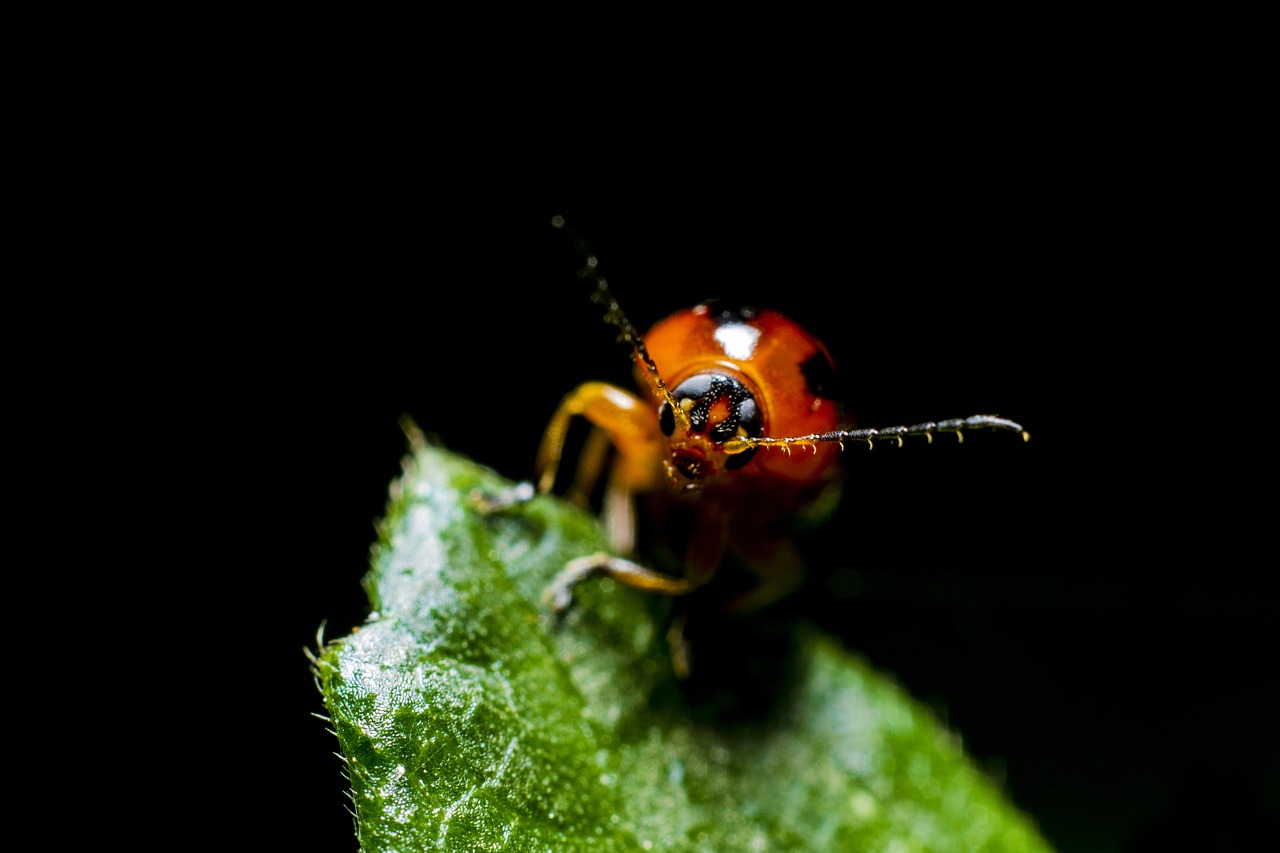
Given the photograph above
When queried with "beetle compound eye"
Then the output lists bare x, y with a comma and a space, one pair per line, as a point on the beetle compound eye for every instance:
750, 425
687, 394
666, 420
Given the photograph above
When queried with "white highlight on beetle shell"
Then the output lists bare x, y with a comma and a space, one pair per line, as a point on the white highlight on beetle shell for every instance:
738, 340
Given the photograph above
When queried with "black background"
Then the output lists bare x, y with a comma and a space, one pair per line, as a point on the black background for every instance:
1094, 643
239, 261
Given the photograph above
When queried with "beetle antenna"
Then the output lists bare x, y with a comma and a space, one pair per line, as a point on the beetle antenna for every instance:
615, 315
870, 436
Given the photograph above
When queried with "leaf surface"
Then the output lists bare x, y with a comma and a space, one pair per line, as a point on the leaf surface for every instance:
471, 719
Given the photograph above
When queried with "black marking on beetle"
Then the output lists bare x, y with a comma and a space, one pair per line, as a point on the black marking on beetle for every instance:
724, 313
819, 374
705, 390
666, 419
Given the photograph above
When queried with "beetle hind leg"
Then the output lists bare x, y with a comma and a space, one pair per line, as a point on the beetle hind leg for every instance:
780, 570
681, 649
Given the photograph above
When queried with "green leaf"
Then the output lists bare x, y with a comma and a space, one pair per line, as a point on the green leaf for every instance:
471, 719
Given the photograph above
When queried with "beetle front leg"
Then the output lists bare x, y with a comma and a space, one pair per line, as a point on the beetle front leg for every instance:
560, 594
630, 425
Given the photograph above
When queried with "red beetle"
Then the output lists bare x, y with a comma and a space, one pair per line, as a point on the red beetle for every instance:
733, 420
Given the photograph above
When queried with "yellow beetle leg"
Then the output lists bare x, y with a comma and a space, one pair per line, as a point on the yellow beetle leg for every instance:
595, 451
681, 649
629, 423
560, 593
